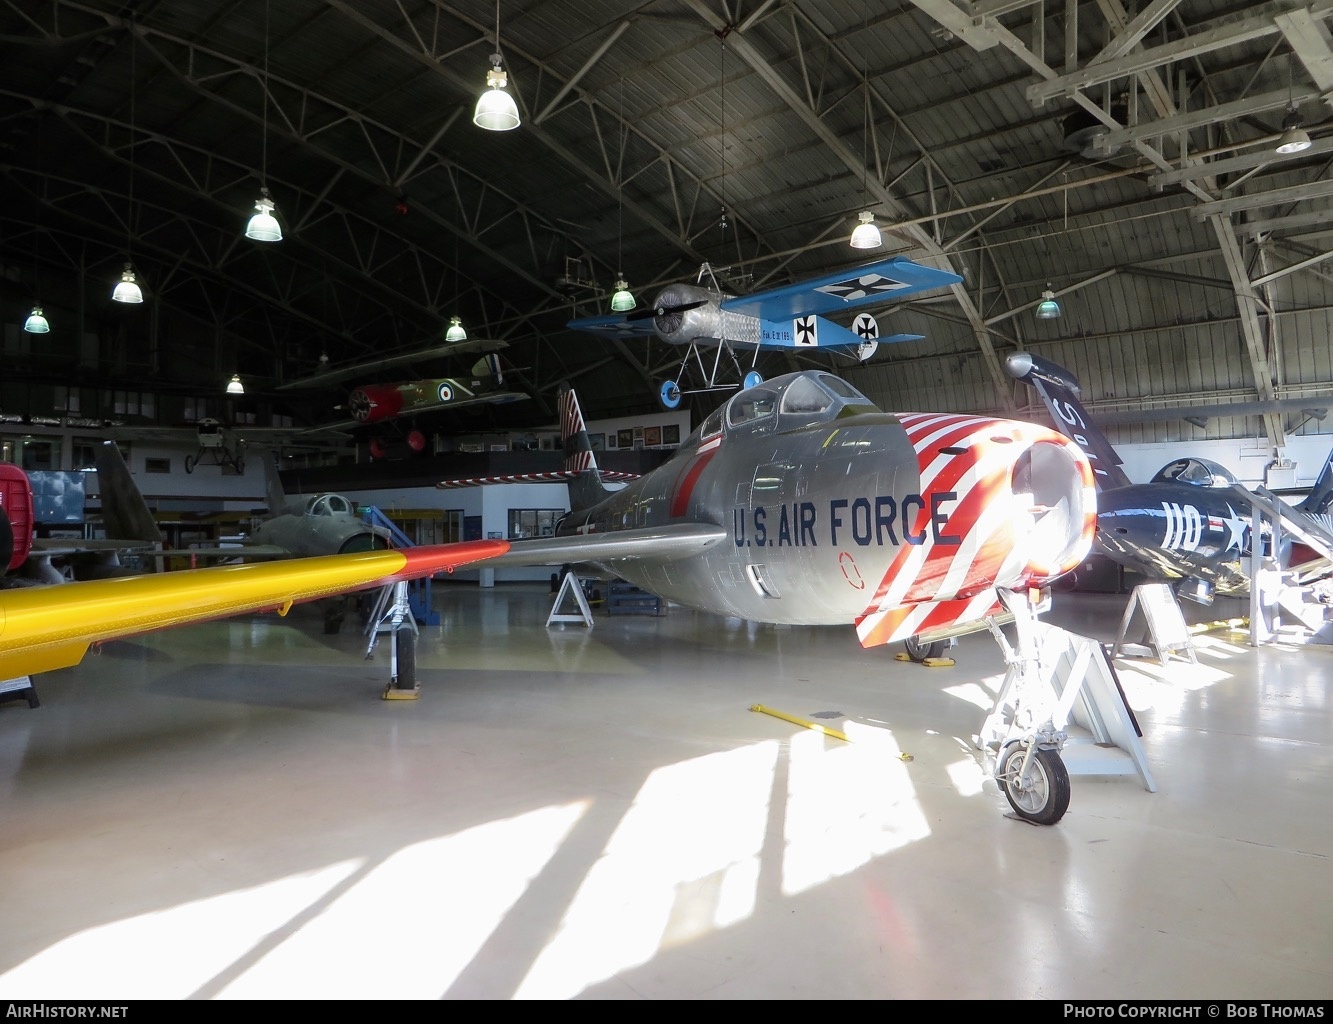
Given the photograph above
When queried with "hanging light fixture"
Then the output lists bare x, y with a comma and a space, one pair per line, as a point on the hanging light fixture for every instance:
234, 386
622, 301
1048, 308
455, 331
1294, 138
36, 322
127, 289
263, 226
496, 110
866, 233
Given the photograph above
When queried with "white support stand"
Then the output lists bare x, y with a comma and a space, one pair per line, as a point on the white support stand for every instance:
1166, 625
1055, 679
571, 586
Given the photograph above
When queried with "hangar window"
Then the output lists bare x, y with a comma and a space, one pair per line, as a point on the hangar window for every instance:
533, 522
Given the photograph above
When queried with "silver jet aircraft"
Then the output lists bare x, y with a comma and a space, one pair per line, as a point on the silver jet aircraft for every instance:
799, 502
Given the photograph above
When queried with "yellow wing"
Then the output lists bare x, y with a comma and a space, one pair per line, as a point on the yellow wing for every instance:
45, 628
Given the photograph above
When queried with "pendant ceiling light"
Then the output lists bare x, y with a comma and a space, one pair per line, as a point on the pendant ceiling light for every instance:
455, 331
36, 322
1294, 138
496, 110
263, 226
127, 288
1048, 308
234, 386
866, 233
622, 301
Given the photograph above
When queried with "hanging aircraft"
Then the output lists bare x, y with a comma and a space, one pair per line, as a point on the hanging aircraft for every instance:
1190, 524
719, 330
799, 502
370, 403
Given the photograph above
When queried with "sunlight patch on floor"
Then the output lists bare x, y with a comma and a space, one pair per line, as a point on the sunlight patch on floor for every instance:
684, 862
170, 954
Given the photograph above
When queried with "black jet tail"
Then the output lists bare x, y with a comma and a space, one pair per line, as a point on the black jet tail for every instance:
1320, 499
125, 514
1059, 390
585, 486
273, 491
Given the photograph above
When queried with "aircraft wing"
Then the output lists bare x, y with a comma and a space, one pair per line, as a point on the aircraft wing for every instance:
554, 476
884, 281
613, 325
649, 544
45, 628
329, 377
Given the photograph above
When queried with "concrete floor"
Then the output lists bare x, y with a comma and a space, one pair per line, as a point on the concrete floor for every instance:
231, 811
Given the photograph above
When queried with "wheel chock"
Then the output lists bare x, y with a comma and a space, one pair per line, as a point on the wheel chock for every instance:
392, 692
928, 662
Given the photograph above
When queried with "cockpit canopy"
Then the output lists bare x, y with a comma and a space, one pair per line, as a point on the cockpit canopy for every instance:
329, 505
1199, 472
788, 402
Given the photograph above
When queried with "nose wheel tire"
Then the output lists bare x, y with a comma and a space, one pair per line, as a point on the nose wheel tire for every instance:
1041, 795
670, 394
919, 652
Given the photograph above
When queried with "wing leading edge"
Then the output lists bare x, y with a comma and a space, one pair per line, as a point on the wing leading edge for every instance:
45, 628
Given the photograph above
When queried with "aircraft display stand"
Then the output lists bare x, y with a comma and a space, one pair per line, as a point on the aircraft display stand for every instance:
1165, 626
393, 615
1056, 680
19, 688
571, 586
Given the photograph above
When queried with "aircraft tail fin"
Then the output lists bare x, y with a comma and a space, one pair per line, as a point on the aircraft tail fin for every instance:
275, 495
585, 485
125, 514
1320, 498
1059, 390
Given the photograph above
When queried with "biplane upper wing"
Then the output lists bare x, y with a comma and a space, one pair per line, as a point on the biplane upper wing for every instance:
334, 375
45, 628
884, 281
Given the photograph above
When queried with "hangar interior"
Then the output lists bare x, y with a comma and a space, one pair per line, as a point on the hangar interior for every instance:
216, 812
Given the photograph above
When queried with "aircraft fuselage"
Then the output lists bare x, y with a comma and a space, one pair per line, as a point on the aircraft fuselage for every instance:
832, 512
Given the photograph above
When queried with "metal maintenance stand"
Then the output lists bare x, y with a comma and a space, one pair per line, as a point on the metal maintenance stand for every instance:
571, 586
1165, 624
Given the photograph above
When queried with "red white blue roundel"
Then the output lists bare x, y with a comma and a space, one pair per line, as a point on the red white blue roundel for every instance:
445, 391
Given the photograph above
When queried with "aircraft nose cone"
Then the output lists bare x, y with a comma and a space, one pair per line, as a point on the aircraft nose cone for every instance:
1019, 364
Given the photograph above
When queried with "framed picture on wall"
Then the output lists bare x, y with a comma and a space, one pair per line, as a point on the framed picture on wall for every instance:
598, 442
611, 440
626, 437
638, 433
652, 436
671, 433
